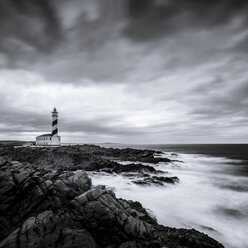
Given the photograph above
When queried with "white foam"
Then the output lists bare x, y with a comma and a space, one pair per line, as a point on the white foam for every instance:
202, 199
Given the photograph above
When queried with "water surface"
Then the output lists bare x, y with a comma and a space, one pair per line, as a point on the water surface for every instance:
212, 195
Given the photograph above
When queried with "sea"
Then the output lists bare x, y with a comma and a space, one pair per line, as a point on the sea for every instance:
211, 196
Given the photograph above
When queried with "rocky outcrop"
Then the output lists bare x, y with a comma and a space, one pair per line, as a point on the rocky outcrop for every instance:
24, 191
46, 230
111, 220
50, 206
137, 173
130, 154
114, 167
157, 180
78, 156
97, 218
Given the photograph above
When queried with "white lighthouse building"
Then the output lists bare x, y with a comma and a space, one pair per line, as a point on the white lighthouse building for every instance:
50, 139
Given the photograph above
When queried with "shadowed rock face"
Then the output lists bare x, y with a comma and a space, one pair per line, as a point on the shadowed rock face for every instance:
98, 219
110, 219
49, 207
25, 191
46, 230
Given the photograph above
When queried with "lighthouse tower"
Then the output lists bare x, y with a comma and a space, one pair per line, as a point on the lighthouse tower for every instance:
55, 115
55, 139
50, 139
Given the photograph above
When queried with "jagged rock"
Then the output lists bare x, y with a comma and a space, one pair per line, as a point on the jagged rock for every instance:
51, 202
78, 157
4, 163
109, 218
130, 154
114, 167
117, 221
156, 180
132, 244
174, 154
19, 178
112, 222
46, 230
23, 194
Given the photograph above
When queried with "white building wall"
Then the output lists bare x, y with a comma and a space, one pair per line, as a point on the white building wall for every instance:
48, 141
55, 141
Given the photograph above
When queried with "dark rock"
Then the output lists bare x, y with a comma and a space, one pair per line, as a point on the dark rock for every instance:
47, 200
78, 156
46, 230
109, 218
174, 154
98, 217
111, 166
156, 180
24, 193
115, 222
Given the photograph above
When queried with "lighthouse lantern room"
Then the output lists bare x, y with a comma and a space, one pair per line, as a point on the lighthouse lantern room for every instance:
50, 139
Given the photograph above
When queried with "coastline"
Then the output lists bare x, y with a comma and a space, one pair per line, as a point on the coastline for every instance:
212, 196
58, 171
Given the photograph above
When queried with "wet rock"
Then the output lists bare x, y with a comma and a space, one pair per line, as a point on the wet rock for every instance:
114, 167
110, 219
135, 244
47, 200
78, 157
191, 238
156, 180
19, 178
95, 217
135, 175
145, 156
24, 193
174, 154
46, 230
117, 222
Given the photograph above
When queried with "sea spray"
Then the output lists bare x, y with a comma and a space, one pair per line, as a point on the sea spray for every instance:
202, 200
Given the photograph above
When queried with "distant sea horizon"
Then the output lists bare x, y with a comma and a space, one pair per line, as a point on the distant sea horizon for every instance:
230, 150
212, 193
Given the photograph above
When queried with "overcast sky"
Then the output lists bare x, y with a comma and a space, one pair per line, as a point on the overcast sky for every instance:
133, 71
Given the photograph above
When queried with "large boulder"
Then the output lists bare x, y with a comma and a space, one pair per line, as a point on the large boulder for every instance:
97, 218
111, 220
24, 191
46, 231
116, 222
48, 207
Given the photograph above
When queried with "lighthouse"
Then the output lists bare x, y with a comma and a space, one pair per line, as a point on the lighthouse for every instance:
55, 115
50, 139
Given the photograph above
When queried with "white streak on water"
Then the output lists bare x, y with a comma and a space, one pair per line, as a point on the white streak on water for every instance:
204, 199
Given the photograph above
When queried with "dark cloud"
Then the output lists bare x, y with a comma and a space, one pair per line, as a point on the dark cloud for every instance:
150, 19
242, 46
14, 120
175, 68
27, 28
219, 99
69, 40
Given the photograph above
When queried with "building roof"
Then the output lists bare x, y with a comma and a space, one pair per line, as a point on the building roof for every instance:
43, 135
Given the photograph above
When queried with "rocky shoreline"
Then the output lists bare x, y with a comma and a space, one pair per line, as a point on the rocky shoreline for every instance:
47, 200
